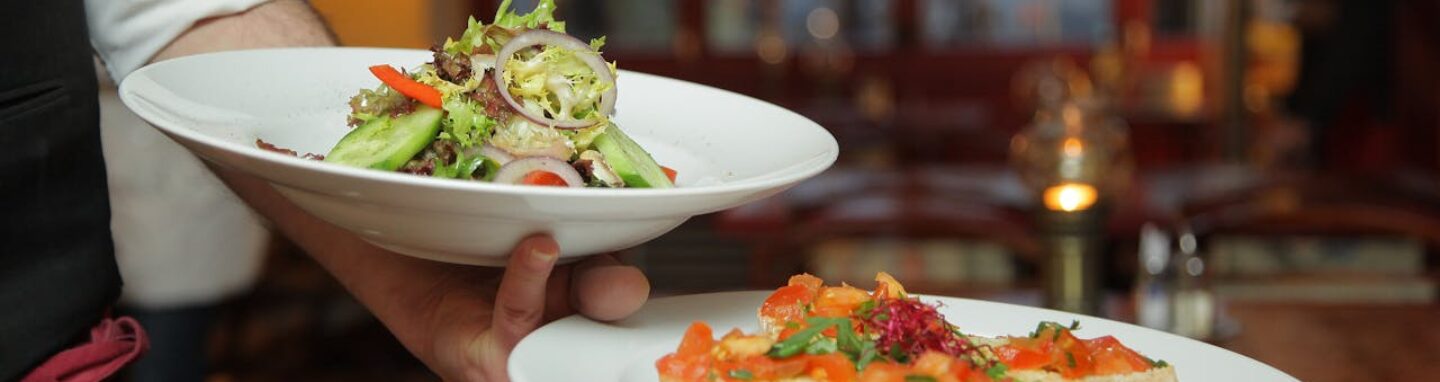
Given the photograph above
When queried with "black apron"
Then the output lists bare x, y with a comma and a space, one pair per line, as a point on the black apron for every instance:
57, 267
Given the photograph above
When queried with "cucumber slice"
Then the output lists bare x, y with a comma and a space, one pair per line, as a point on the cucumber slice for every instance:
388, 143
631, 162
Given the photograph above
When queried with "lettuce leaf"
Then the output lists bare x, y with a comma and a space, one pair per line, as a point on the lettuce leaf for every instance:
465, 122
474, 36
544, 14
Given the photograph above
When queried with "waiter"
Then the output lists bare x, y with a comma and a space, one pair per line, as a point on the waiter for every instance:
58, 275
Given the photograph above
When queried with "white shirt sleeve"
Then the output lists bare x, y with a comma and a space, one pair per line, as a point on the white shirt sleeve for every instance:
127, 33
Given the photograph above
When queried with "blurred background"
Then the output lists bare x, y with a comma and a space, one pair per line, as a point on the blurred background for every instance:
1263, 175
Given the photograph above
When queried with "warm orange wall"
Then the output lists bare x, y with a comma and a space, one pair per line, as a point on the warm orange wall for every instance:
388, 23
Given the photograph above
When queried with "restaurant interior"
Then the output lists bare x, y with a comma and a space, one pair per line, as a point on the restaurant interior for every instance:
1261, 175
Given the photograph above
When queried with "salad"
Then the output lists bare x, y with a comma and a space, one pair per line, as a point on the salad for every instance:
517, 101
813, 332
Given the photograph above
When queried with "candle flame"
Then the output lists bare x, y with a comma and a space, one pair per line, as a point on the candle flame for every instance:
1070, 197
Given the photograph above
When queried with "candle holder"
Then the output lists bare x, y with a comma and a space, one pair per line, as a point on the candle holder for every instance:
1073, 156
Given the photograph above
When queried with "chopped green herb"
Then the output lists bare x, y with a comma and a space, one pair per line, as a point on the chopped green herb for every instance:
800, 340
866, 355
919, 378
1160, 363
866, 309
845, 336
1075, 325
1070, 359
997, 372
820, 347
792, 325
742, 374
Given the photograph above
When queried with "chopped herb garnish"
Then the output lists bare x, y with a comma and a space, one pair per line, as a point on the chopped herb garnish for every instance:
1052, 326
821, 347
1070, 359
866, 355
845, 337
866, 309
1075, 325
792, 325
801, 340
998, 371
919, 378
742, 374
1155, 363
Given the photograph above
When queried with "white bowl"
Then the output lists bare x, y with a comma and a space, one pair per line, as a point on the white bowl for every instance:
729, 150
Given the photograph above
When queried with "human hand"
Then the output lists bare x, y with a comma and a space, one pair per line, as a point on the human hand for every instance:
472, 328
461, 321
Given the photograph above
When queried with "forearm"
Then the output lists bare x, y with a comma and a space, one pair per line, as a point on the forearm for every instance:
383, 281
279, 23
390, 285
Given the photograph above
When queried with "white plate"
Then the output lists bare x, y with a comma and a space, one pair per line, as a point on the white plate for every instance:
729, 150
627, 350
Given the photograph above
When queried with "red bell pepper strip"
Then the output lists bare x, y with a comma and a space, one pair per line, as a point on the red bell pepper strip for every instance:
403, 84
669, 173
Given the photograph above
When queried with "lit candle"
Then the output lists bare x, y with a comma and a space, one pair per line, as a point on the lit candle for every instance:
1070, 197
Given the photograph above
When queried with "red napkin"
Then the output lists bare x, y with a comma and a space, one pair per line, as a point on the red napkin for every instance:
113, 344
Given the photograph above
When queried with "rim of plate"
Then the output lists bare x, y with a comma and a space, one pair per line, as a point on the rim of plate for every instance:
514, 362
804, 168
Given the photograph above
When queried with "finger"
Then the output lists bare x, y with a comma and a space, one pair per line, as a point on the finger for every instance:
606, 290
557, 294
520, 302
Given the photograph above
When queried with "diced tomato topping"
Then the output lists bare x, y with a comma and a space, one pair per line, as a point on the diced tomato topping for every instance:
1024, 355
679, 368
839, 301
787, 304
762, 367
808, 280
884, 372
1111, 357
965, 372
1073, 359
698, 340
830, 367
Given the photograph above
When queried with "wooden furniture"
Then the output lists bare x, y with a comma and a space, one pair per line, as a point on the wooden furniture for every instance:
1324, 343
1326, 204
904, 208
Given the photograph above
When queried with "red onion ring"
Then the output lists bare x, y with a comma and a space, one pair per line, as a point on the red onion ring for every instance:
558, 150
496, 154
545, 37
515, 171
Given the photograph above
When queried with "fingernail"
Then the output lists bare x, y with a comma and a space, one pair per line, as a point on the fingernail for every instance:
545, 256
544, 252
